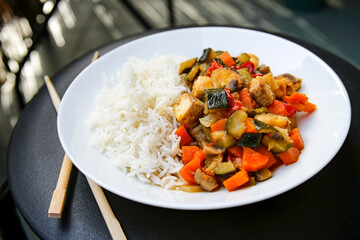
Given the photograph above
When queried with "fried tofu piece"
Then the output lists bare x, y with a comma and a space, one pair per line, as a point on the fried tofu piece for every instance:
222, 76
188, 110
261, 92
287, 84
200, 84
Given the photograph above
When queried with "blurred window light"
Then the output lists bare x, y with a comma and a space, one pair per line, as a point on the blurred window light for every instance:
107, 19
40, 18
13, 65
48, 7
190, 11
36, 62
56, 31
67, 14
25, 27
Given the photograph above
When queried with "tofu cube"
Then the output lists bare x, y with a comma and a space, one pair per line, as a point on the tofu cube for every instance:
188, 110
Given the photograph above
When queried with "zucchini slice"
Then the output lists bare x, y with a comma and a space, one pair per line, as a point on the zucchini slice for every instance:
187, 65
245, 75
236, 124
244, 57
221, 139
263, 127
220, 61
190, 76
216, 98
207, 56
253, 112
251, 140
276, 146
263, 174
225, 169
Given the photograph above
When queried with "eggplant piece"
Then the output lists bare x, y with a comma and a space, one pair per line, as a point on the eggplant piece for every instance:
199, 135
232, 85
236, 124
245, 76
207, 182
251, 140
216, 98
213, 150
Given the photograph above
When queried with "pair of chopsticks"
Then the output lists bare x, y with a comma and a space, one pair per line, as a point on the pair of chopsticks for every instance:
59, 194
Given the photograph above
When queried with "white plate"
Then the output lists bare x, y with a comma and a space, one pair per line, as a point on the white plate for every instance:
323, 131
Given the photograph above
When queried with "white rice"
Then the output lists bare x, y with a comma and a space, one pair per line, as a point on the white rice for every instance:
133, 123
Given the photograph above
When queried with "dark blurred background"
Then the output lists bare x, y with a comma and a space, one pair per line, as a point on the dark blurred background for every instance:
39, 37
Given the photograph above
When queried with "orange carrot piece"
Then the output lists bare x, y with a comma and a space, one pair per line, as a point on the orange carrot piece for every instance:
235, 151
188, 153
300, 102
250, 127
187, 172
252, 160
271, 159
281, 108
227, 59
237, 180
289, 156
297, 139
219, 125
246, 99
186, 139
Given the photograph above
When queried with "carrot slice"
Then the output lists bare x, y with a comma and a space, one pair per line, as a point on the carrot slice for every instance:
252, 160
297, 139
289, 156
227, 59
246, 99
187, 172
271, 159
188, 153
235, 151
300, 102
250, 127
281, 108
237, 180
184, 135
219, 125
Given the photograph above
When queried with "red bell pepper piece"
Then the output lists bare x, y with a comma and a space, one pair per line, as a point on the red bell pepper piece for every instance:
257, 74
249, 65
279, 107
214, 65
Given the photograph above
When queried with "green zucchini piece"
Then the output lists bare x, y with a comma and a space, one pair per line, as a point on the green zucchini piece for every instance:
276, 146
244, 57
263, 127
187, 65
253, 112
216, 98
225, 169
222, 139
236, 124
209, 119
251, 140
263, 174
207, 56
245, 75
190, 76
218, 53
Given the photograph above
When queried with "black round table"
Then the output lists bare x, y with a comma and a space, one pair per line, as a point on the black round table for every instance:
325, 207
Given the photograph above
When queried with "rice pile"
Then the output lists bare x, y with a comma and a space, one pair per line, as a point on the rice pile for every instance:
133, 122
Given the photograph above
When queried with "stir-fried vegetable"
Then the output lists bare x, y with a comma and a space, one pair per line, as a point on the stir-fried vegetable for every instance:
238, 123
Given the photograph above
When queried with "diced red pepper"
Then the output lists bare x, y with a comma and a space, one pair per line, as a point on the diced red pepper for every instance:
279, 107
214, 65
249, 65
230, 98
257, 74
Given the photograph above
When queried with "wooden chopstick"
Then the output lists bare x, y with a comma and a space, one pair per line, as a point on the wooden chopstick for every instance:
58, 198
